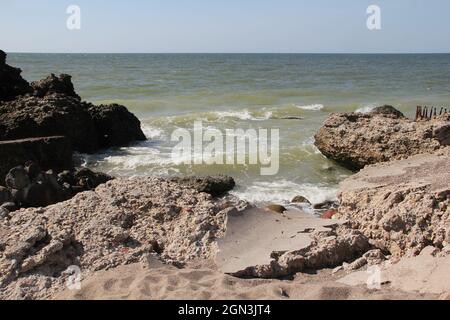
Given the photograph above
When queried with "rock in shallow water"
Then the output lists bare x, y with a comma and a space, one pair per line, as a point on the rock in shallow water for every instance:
355, 139
276, 208
52, 108
115, 125
213, 185
300, 199
53, 115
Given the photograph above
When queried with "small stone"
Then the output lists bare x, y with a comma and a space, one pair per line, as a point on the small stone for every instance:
337, 269
300, 199
357, 264
374, 257
325, 205
32, 169
17, 178
283, 293
10, 206
66, 177
276, 208
3, 213
328, 214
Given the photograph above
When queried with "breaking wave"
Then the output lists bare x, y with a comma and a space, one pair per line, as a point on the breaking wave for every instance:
312, 107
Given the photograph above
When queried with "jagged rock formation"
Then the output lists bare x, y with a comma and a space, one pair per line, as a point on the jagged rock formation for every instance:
402, 206
121, 222
53, 84
55, 114
51, 107
115, 125
11, 82
355, 139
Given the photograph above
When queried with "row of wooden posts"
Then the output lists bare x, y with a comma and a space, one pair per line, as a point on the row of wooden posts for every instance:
429, 112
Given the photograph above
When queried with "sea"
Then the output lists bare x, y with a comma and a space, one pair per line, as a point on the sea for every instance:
293, 93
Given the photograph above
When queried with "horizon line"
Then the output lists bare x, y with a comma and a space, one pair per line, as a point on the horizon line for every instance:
286, 53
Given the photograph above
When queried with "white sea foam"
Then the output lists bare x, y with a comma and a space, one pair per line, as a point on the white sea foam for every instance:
367, 108
243, 115
283, 191
312, 107
152, 132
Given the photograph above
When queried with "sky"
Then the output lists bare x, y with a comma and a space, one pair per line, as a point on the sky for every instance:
225, 26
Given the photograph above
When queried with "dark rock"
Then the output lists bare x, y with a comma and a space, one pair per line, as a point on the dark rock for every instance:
56, 109
53, 84
43, 191
11, 82
31, 187
326, 205
2, 58
5, 195
387, 110
88, 127
89, 180
33, 169
66, 177
50, 152
214, 185
276, 208
115, 125
10, 206
292, 118
52, 115
17, 178
300, 199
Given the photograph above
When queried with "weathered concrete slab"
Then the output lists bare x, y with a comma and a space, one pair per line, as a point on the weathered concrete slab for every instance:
252, 237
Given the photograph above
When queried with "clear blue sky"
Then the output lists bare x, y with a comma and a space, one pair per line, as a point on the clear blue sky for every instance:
225, 26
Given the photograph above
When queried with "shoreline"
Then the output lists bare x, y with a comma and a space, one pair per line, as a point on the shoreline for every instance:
150, 237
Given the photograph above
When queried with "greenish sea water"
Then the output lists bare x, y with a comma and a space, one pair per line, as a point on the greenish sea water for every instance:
227, 91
